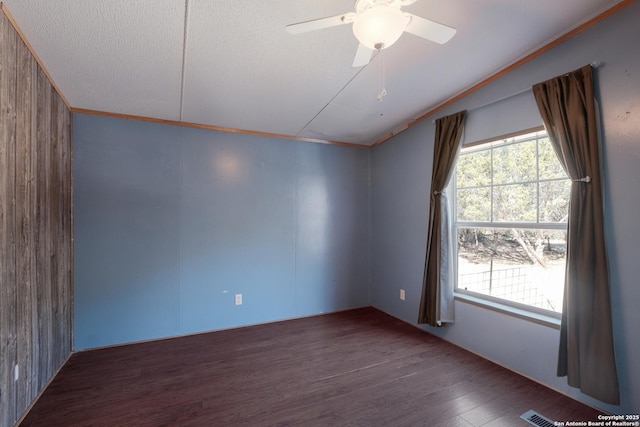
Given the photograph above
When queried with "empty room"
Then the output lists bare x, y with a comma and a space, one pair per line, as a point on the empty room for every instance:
376, 213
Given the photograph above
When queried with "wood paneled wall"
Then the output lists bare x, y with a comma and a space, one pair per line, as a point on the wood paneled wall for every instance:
35, 227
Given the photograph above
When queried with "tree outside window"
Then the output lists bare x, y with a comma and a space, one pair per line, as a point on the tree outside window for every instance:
511, 204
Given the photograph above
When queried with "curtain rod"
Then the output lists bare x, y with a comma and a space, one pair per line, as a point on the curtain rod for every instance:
594, 64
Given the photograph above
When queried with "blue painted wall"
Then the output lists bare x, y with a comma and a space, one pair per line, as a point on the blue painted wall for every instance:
171, 223
401, 175
126, 231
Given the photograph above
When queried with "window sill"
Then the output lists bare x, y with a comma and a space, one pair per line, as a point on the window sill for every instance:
542, 319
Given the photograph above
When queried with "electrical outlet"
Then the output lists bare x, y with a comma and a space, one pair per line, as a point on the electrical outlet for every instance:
238, 299
402, 294
16, 372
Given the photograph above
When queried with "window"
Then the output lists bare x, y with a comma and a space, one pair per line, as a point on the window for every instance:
511, 207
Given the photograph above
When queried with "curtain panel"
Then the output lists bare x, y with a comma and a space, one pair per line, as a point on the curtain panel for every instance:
436, 303
586, 355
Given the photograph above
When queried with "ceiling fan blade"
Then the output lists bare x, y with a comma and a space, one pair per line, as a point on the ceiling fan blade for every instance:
363, 56
318, 24
429, 30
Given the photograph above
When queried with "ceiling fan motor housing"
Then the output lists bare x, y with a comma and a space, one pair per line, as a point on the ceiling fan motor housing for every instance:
379, 23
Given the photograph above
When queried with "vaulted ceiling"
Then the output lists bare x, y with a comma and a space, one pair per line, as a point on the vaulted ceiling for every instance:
231, 63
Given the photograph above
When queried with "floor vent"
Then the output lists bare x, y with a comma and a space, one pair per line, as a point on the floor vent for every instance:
534, 418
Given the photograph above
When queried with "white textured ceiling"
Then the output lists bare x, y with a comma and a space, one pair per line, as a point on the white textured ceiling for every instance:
231, 64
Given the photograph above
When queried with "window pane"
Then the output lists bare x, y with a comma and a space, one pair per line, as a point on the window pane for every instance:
474, 204
514, 203
518, 180
520, 265
549, 164
474, 169
554, 200
514, 163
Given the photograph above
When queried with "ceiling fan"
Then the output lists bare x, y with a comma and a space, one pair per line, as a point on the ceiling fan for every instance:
377, 24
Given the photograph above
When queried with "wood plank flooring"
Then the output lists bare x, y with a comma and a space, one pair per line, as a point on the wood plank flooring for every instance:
354, 368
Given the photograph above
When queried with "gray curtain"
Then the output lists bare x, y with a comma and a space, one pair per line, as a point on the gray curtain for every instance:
586, 356
436, 303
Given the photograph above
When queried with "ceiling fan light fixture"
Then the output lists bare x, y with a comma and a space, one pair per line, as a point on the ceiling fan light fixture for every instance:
380, 26
377, 24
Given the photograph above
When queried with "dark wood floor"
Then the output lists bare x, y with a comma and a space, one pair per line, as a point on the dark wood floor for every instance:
360, 367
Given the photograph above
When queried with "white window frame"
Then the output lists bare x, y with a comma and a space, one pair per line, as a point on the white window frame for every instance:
529, 312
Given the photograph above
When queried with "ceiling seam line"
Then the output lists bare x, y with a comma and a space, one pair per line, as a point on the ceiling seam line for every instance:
184, 55
335, 96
